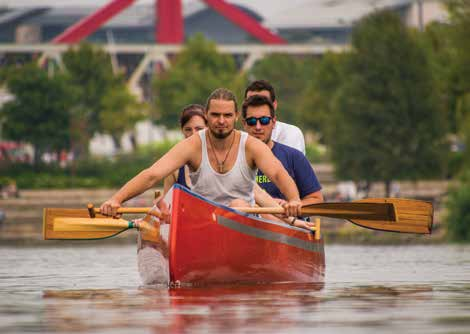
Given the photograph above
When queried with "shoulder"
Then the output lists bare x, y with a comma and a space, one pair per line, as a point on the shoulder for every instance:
290, 135
293, 157
289, 150
256, 147
251, 142
289, 128
189, 145
195, 139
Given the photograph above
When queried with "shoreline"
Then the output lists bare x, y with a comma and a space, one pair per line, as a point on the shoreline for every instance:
23, 224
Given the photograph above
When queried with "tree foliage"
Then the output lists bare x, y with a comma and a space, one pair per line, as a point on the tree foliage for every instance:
316, 102
90, 73
39, 113
387, 125
460, 37
458, 208
95, 86
120, 111
196, 72
289, 76
442, 67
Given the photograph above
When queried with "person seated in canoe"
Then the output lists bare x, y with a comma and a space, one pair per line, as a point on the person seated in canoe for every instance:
223, 163
283, 133
259, 120
192, 120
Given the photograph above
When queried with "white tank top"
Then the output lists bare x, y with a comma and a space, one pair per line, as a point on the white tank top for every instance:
223, 188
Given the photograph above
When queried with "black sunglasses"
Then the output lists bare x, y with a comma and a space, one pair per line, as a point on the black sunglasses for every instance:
264, 120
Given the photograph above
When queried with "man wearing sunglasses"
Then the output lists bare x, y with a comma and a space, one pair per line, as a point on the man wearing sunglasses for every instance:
283, 133
259, 121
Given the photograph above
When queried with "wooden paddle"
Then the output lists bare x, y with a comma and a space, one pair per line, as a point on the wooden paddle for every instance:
412, 216
341, 210
76, 224
383, 214
90, 224
376, 209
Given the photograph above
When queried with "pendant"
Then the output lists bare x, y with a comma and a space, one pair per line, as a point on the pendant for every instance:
220, 167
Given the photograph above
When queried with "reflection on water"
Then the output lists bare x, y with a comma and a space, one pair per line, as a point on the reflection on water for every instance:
367, 289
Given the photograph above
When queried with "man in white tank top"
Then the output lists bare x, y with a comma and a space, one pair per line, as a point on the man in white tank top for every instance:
283, 133
223, 162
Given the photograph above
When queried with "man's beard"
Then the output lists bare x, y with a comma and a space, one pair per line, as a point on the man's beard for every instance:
219, 135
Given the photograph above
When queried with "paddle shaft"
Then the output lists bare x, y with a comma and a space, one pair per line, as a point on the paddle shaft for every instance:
342, 210
129, 210
136, 210
346, 210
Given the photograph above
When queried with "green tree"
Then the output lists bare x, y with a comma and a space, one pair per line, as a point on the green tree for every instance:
387, 124
316, 102
91, 76
289, 76
460, 36
39, 113
444, 70
458, 208
196, 72
120, 113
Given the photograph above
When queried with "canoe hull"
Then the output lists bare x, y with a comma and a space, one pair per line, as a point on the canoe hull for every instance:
210, 243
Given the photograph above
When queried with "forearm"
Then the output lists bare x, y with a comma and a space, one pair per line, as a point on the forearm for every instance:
168, 182
263, 199
137, 185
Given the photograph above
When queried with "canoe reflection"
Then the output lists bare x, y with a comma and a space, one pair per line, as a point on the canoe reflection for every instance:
231, 308
216, 309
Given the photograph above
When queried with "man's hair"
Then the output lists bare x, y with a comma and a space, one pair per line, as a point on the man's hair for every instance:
222, 94
260, 85
190, 111
257, 101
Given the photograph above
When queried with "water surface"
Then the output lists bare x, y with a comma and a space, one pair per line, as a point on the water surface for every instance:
367, 289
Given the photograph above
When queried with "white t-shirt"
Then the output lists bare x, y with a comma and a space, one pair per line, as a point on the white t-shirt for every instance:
289, 135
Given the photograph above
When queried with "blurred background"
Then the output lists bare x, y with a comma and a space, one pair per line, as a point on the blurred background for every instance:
91, 91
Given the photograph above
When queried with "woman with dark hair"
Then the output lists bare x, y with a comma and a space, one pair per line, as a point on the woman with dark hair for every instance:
192, 120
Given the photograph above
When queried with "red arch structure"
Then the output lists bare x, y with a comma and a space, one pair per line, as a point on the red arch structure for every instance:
170, 24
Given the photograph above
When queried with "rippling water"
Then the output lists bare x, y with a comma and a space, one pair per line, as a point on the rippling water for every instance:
368, 289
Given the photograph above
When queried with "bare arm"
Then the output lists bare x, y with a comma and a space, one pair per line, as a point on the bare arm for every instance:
169, 181
261, 156
262, 198
179, 155
313, 198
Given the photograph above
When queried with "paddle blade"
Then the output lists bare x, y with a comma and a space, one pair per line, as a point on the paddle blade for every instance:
412, 216
75, 224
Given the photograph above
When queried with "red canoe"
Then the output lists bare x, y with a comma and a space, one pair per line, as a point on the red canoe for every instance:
211, 243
